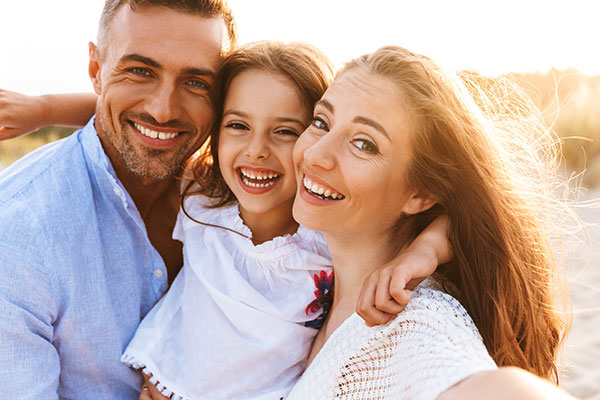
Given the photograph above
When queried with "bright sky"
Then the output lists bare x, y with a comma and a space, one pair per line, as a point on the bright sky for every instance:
43, 44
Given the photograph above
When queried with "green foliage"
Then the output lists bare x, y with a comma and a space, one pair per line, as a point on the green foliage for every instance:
11, 150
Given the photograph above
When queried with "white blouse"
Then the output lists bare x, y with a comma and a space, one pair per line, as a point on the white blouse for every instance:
426, 349
236, 322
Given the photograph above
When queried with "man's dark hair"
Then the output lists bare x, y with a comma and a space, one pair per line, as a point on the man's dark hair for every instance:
203, 8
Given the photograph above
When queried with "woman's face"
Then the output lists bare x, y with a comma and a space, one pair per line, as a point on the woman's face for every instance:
351, 161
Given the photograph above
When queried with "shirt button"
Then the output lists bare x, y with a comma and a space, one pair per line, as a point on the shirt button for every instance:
158, 273
118, 191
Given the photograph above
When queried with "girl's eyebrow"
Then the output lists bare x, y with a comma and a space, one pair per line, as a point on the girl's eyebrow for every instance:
278, 119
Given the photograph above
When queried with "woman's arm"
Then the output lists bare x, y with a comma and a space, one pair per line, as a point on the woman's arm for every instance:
505, 383
21, 114
388, 290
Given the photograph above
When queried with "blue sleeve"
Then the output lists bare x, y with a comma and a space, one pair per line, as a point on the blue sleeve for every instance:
29, 362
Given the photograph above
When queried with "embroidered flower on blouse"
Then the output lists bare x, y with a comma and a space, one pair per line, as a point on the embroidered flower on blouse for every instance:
323, 299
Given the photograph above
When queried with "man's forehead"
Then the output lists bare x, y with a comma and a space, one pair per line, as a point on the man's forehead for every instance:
154, 29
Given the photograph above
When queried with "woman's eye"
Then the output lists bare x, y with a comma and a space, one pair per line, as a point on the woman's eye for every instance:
236, 125
365, 145
320, 124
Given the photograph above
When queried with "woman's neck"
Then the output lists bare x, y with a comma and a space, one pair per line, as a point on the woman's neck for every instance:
354, 258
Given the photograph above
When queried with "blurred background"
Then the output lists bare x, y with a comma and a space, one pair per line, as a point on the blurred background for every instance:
550, 48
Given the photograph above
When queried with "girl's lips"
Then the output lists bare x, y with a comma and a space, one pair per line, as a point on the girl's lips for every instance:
257, 180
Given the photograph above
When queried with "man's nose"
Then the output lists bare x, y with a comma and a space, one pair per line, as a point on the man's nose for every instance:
164, 105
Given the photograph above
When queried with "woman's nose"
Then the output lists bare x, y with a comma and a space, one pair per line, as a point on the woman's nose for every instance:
322, 152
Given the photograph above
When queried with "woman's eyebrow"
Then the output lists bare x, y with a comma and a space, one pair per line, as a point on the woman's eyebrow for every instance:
327, 104
371, 123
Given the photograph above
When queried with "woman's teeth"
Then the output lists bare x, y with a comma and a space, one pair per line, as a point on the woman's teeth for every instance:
154, 134
320, 191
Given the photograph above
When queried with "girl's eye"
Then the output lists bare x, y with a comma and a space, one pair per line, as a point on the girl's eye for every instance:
320, 124
236, 125
365, 145
287, 132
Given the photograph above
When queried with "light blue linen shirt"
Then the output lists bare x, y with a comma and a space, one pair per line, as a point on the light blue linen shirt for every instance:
77, 274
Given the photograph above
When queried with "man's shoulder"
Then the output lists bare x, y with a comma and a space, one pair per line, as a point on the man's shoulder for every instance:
42, 170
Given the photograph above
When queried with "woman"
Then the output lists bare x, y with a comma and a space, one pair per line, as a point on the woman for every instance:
398, 142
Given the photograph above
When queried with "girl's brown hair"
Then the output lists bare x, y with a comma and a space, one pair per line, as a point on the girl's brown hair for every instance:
474, 158
304, 65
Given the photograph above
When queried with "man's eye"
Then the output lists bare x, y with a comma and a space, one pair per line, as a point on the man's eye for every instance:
198, 84
320, 124
365, 145
140, 71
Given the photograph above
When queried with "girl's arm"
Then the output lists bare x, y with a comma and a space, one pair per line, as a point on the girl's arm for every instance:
21, 114
387, 290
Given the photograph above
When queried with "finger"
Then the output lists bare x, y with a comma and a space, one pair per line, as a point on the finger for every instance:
145, 394
366, 303
9, 133
383, 299
399, 288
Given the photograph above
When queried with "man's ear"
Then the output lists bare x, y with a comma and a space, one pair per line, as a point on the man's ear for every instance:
417, 203
94, 68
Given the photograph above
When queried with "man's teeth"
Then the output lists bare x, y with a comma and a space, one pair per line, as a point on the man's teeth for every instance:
155, 134
322, 192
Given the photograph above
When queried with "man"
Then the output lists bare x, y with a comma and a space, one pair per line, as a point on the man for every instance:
85, 223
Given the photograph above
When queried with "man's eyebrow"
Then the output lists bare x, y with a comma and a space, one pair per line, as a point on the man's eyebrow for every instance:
371, 123
199, 71
142, 59
152, 63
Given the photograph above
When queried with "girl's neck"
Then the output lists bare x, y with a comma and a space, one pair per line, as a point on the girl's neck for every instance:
268, 225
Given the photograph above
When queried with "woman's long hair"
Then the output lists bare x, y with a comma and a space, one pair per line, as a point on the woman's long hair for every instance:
475, 158
304, 65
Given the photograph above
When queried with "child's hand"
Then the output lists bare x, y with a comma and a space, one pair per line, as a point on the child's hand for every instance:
388, 290
149, 391
20, 114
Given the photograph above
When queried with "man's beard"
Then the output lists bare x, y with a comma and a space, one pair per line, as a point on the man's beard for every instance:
148, 162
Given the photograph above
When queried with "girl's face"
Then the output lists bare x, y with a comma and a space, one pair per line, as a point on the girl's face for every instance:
263, 115
352, 159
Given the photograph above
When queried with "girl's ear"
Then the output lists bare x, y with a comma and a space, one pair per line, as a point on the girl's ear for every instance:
417, 203
94, 68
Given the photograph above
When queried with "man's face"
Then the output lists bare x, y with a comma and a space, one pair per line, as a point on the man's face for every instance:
155, 75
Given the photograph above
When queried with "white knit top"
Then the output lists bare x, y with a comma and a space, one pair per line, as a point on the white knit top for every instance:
429, 347
236, 322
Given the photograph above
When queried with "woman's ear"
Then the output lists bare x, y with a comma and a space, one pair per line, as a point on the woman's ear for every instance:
417, 203
94, 68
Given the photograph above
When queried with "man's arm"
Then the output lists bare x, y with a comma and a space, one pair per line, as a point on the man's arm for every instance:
505, 383
29, 362
21, 114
